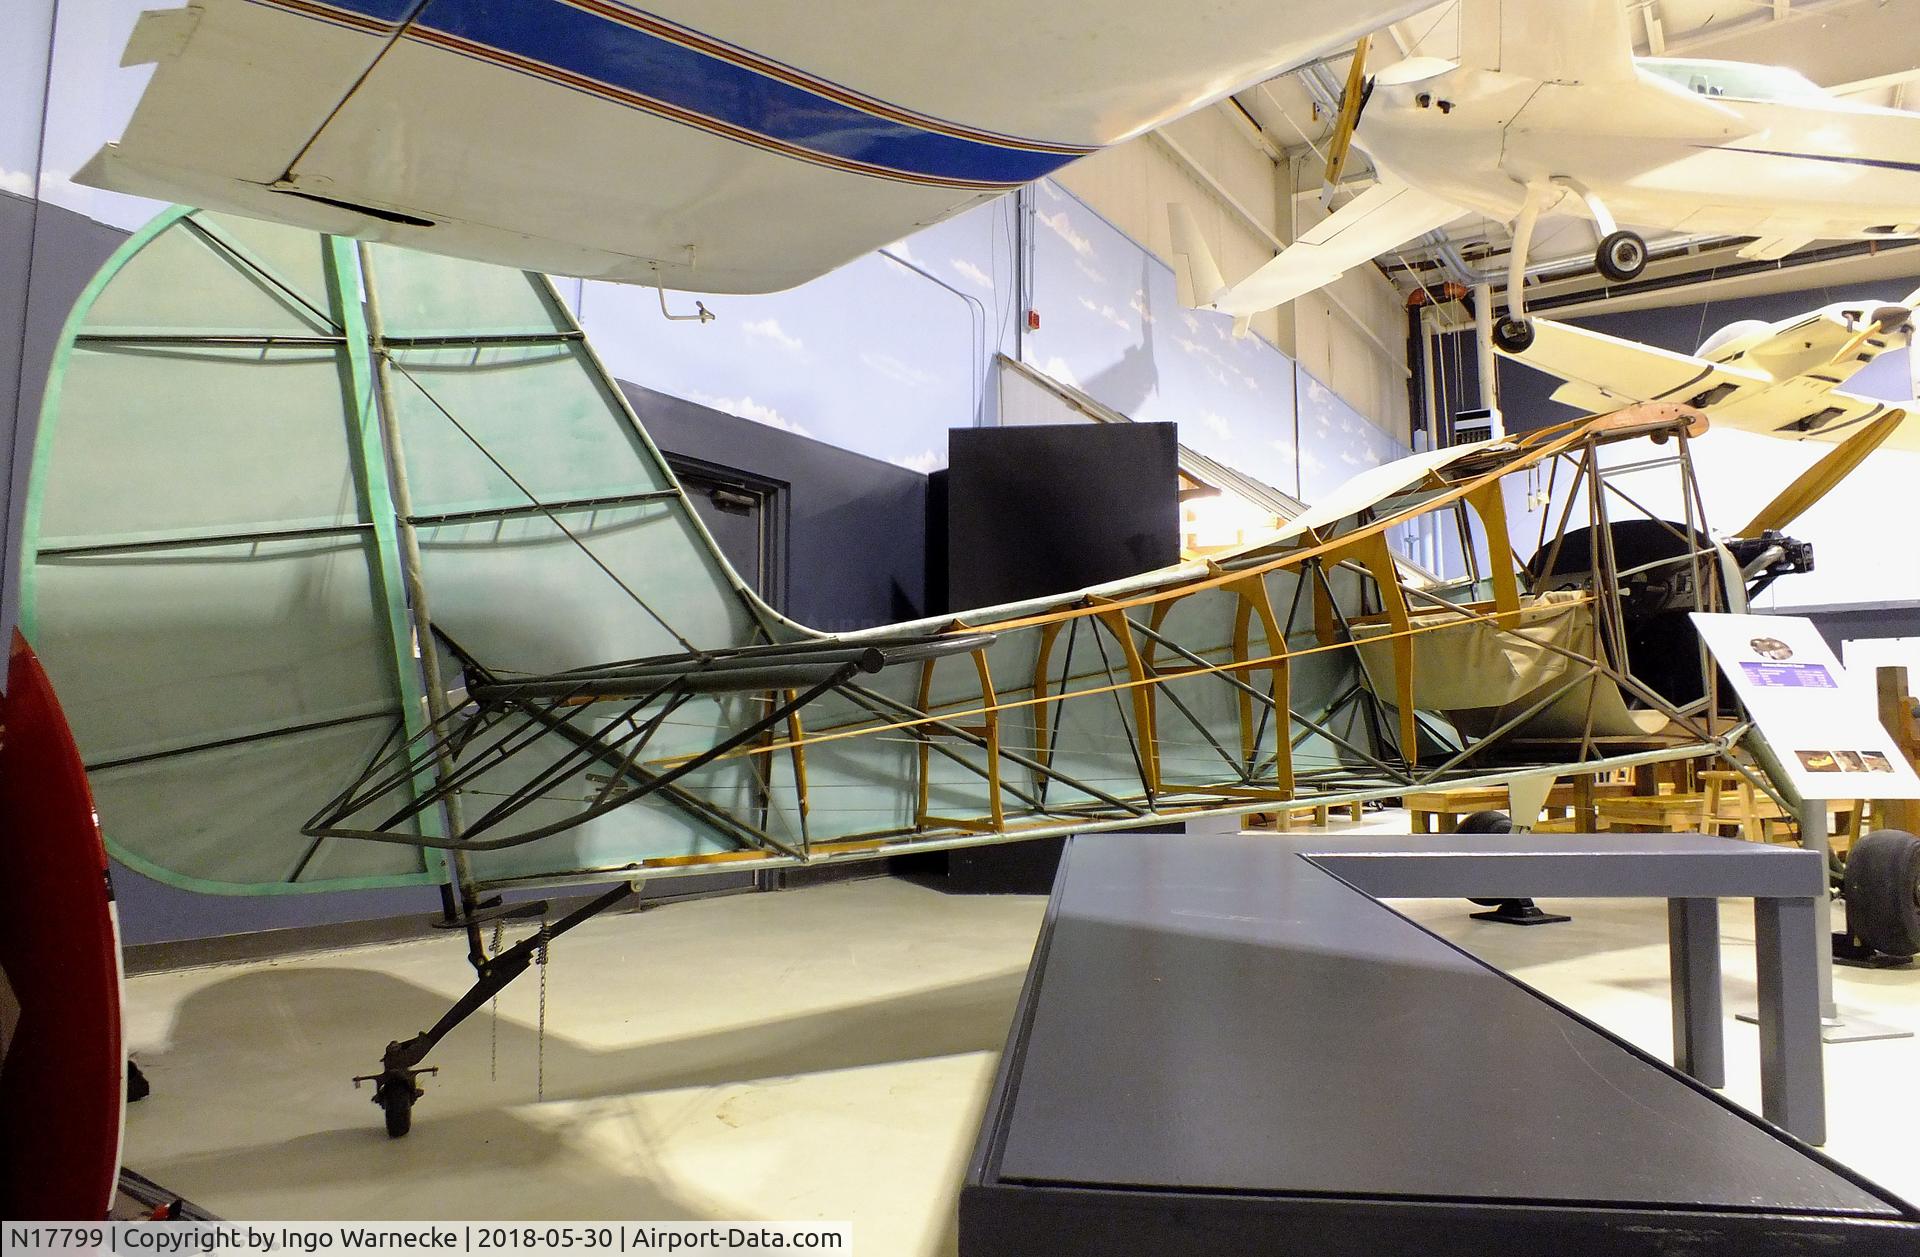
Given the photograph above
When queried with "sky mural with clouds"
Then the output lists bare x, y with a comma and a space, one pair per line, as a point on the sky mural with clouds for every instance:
886, 354
882, 356
1112, 325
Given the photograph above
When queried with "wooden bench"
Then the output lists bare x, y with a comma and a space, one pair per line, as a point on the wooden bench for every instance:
1733, 802
1318, 814
1445, 809
1230, 1047
1652, 813
1729, 801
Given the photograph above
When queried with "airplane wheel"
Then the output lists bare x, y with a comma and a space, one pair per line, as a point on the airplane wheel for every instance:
1513, 336
395, 1095
1486, 823
1882, 890
1622, 256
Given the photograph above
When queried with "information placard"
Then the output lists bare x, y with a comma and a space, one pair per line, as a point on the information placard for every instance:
1826, 733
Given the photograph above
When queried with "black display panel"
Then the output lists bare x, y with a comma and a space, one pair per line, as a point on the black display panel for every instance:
1041, 509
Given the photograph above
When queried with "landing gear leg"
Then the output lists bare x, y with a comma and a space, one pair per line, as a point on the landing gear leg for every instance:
397, 1085
1621, 255
1513, 333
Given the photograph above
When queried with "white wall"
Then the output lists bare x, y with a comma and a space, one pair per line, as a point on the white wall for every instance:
1368, 371
1132, 186
1862, 533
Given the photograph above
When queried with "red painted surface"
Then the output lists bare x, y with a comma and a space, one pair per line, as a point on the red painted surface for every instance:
63, 1081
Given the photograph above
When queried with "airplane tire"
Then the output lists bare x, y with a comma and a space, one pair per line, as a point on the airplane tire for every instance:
395, 1096
1622, 256
1486, 823
1513, 336
1882, 890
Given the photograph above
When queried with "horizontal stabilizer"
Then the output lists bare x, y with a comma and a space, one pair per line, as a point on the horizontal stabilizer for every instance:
1605, 371
1202, 271
1379, 220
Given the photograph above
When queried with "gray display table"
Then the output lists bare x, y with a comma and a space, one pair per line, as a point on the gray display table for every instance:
1227, 1046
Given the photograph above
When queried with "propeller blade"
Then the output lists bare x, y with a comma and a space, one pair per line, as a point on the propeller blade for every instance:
1818, 480
1351, 99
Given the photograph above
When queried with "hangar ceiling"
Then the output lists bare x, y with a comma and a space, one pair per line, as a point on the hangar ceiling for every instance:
1871, 47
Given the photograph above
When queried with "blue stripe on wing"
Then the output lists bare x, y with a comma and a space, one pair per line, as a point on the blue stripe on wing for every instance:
709, 84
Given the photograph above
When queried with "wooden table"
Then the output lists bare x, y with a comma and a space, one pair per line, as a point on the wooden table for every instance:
1732, 800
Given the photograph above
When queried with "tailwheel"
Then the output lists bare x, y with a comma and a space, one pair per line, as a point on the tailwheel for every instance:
395, 1098
394, 1090
1513, 336
1622, 256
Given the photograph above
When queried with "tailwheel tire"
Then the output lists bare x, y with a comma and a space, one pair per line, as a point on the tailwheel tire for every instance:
395, 1096
1621, 256
1513, 336
1882, 889
1486, 823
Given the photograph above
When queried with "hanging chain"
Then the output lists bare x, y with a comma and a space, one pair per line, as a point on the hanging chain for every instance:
493, 1051
540, 1057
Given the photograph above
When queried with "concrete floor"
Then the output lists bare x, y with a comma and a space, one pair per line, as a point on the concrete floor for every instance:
818, 1054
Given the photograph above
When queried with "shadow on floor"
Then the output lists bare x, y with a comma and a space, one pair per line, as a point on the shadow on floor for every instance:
483, 1164
269, 1052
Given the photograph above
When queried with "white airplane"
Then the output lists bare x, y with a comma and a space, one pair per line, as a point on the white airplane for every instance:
1782, 379
719, 145
1548, 106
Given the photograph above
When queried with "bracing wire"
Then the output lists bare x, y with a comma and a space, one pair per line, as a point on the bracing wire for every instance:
551, 515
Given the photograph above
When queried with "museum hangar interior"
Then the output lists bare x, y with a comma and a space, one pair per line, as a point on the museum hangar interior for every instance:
1223, 629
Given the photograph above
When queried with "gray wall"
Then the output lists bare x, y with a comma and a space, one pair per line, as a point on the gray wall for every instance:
856, 526
1847, 623
47, 255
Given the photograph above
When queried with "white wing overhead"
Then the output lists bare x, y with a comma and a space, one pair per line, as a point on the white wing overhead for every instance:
1606, 373
1804, 409
1382, 218
718, 145
1773, 248
1562, 41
